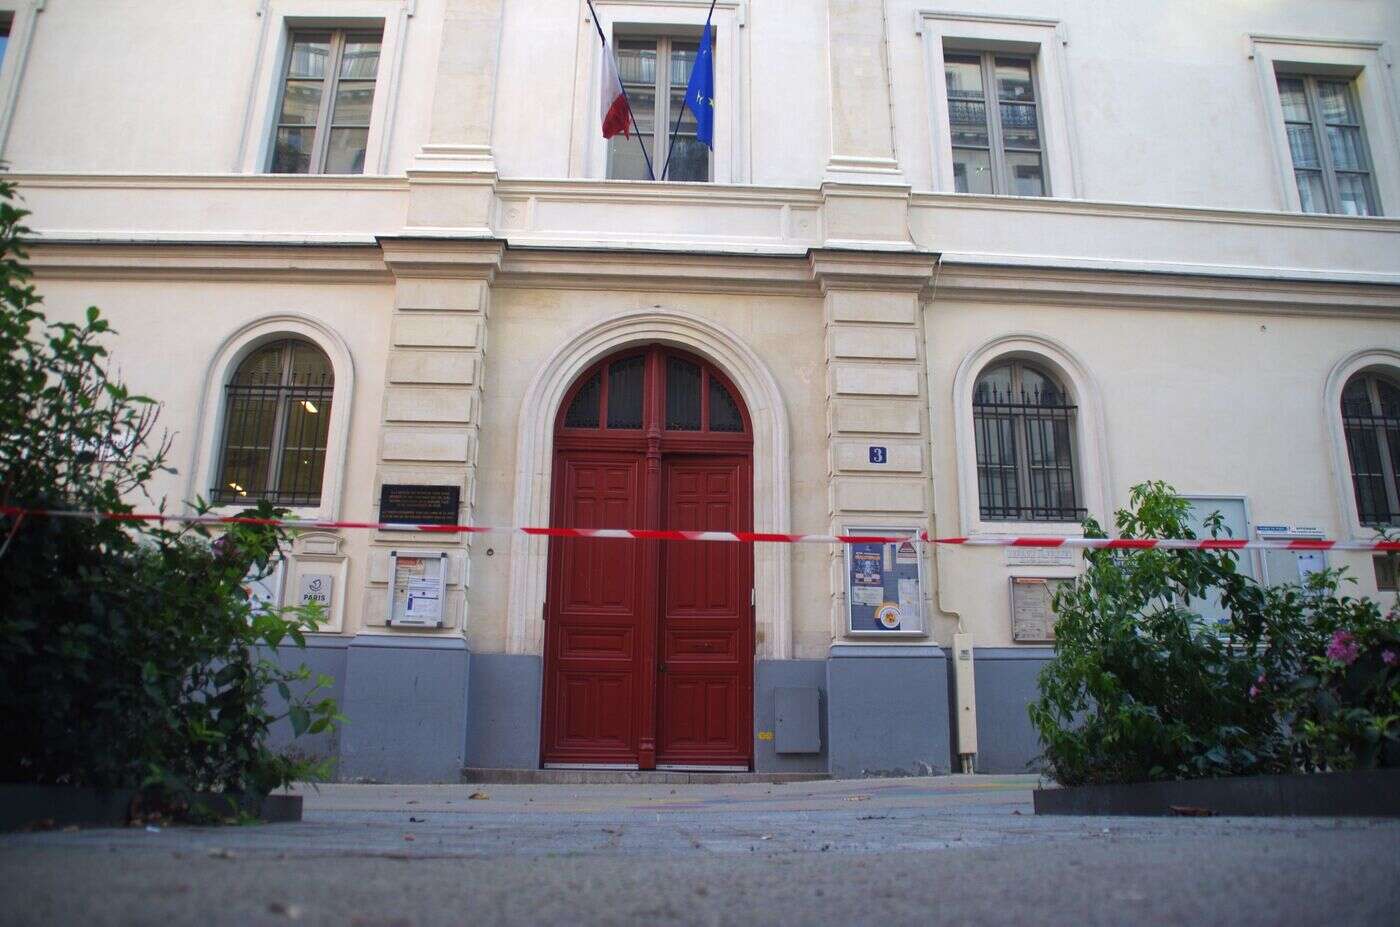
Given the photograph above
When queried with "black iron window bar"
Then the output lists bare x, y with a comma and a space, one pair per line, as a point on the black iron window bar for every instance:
1373, 444
1025, 456
274, 442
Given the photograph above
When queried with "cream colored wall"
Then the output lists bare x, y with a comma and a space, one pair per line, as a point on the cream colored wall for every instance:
528, 324
145, 86
167, 335
1211, 402
1164, 103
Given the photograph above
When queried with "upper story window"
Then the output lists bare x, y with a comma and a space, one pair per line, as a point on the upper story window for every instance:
1371, 422
277, 411
327, 94
1331, 162
994, 124
1023, 424
655, 71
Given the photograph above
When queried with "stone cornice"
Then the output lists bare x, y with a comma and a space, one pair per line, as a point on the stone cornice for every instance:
834, 268
1159, 212
821, 269
1136, 290
475, 258
142, 181
615, 269
305, 262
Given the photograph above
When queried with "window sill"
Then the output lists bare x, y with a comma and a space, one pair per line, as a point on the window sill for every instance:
299, 512
1050, 529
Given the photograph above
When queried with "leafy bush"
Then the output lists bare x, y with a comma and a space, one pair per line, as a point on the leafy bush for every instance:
1143, 688
129, 654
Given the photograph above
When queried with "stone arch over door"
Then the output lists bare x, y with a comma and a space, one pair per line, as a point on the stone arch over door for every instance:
771, 464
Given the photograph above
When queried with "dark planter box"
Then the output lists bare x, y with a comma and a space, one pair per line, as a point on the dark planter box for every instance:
1364, 793
31, 805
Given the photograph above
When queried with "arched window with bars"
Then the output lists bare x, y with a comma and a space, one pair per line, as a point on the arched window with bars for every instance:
1024, 429
1371, 423
276, 420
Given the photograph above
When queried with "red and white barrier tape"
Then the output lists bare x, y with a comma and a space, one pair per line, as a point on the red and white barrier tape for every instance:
755, 537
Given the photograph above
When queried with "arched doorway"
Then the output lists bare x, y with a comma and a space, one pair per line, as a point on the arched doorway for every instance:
649, 644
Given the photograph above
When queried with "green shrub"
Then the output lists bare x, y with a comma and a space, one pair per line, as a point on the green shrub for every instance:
1143, 688
129, 654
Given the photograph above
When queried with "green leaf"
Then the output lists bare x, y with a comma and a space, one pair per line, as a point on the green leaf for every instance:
300, 719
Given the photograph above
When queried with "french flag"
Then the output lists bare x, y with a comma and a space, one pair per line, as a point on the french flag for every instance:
617, 114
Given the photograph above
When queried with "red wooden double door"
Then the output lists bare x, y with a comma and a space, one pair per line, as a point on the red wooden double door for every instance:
649, 644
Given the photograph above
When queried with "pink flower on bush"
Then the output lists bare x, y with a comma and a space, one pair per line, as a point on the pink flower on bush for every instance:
1390, 657
1343, 648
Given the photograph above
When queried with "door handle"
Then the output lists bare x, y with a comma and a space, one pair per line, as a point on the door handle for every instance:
661, 667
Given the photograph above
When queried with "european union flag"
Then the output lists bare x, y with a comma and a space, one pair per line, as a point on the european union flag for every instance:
700, 92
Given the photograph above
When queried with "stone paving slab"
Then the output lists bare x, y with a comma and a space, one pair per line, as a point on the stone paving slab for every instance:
954, 849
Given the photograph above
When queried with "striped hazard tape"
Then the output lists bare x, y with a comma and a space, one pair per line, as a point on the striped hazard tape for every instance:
748, 537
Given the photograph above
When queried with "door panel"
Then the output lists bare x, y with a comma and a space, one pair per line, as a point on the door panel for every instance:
705, 640
594, 611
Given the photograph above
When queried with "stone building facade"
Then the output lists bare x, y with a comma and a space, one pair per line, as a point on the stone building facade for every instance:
962, 272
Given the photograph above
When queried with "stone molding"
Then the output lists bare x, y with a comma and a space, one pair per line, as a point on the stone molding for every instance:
801, 274
534, 464
876, 394
422, 256
680, 222
1105, 288
23, 16
1331, 398
430, 420
1090, 442
209, 424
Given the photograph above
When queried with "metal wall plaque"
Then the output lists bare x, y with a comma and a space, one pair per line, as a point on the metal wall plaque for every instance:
317, 588
411, 504
1040, 556
884, 584
1032, 614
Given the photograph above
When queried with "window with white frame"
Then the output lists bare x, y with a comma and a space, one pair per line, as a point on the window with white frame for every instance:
327, 94
655, 71
1327, 142
994, 124
1023, 427
276, 415
1371, 423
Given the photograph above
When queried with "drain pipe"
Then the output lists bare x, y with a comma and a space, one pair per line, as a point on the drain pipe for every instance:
964, 678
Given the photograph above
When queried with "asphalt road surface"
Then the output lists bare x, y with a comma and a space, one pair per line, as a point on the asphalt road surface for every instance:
959, 849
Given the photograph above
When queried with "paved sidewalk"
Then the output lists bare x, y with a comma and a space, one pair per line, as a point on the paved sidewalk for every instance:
959, 849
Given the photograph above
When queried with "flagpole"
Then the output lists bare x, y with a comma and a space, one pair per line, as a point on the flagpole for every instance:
674, 132
604, 39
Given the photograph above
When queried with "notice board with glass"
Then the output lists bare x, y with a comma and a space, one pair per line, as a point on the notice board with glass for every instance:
417, 588
884, 583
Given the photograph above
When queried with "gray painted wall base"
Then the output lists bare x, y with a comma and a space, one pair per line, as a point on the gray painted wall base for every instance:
405, 708
1006, 684
323, 655
774, 674
887, 710
503, 726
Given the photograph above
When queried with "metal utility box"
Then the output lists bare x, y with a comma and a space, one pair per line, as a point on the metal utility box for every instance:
797, 720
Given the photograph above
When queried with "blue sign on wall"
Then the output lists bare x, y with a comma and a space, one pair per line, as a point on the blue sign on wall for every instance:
879, 455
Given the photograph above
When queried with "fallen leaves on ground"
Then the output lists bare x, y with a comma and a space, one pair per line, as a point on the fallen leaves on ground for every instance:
1191, 811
